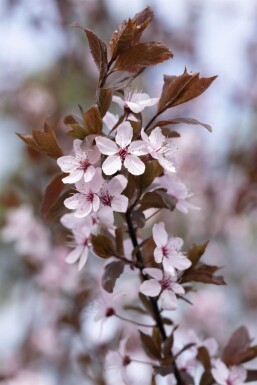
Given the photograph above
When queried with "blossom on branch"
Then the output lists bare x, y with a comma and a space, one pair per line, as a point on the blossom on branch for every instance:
161, 148
236, 375
80, 164
135, 101
87, 199
177, 189
164, 284
123, 152
111, 198
168, 251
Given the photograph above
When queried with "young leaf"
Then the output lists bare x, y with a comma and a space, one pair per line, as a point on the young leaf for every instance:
58, 207
204, 357
93, 121
238, 343
104, 99
103, 246
182, 121
152, 170
158, 200
122, 38
142, 55
77, 131
203, 273
112, 272
52, 193
98, 50
150, 347
196, 252
180, 89
141, 21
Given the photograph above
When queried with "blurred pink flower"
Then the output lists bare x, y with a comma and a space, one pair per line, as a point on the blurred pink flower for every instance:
135, 101
236, 375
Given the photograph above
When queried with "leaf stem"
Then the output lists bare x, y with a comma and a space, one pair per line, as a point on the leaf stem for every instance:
134, 322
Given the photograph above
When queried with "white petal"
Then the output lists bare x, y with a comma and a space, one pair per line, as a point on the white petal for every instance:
154, 273
67, 163
134, 165
97, 181
118, 100
77, 146
84, 209
168, 266
117, 185
180, 262
174, 243
151, 288
82, 186
111, 165
183, 206
73, 202
106, 146
158, 254
220, 372
149, 102
124, 134
144, 136
135, 107
89, 174
167, 164
93, 155
120, 204
74, 177
237, 375
105, 214
177, 288
160, 235
83, 258
157, 138
218, 378
138, 148
110, 120
96, 203
168, 300
74, 255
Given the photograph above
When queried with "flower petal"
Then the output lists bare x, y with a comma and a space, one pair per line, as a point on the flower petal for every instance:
167, 164
177, 288
117, 185
73, 202
168, 300
180, 262
138, 148
97, 181
74, 176
74, 255
83, 258
67, 163
124, 134
106, 146
84, 209
110, 119
134, 165
118, 100
157, 138
105, 214
160, 235
158, 254
120, 204
151, 288
154, 273
111, 165
96, 203
77, 146
89, 174
135, 107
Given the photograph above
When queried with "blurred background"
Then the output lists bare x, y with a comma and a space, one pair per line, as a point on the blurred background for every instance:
46, 71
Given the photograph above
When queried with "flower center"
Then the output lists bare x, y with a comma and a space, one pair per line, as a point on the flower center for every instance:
90, 196
84, 164
106, 200
165, 283
85, 242
123, 152
109, 312
126, 360
165, 251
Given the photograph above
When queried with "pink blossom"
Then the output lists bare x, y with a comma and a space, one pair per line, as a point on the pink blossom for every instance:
177, 189
111, 198
164, 284
81, 241
110, 120
87, 199
168, 250
135, 101
160, 148
236, 375
80, 164
115, 365
123, 152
